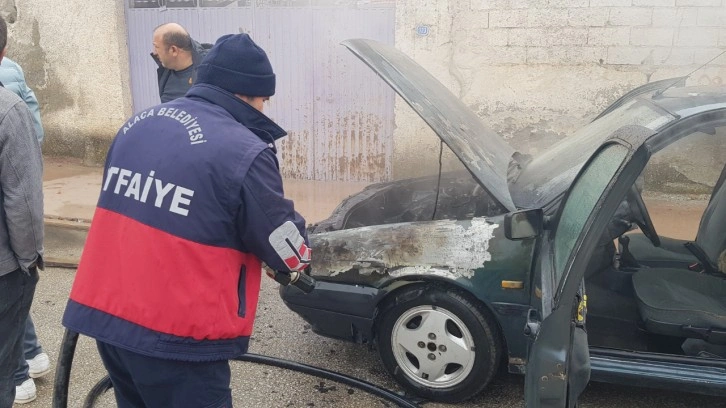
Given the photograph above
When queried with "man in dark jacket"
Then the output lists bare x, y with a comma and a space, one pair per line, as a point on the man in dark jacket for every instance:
191, 206
177, 56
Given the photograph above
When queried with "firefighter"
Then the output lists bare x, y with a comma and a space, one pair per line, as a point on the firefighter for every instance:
191, 205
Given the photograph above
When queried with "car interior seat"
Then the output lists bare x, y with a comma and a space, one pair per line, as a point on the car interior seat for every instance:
682, 304
675, 253
690, 304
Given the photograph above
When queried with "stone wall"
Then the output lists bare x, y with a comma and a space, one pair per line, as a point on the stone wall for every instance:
536, 70
75, 59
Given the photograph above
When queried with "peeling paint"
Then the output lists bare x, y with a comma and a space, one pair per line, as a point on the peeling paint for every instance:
49, 86
81, 103
447, 248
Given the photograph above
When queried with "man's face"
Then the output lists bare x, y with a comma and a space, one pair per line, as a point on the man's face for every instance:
165, 54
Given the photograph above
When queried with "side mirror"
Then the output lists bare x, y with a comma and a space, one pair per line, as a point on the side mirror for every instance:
524, 224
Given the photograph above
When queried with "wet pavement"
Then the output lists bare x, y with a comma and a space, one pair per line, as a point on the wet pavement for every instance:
71, 192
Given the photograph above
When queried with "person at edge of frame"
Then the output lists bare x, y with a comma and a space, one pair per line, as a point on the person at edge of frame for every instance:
21, 227
34, 363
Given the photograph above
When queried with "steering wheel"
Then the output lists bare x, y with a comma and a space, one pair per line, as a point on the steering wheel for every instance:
641, 216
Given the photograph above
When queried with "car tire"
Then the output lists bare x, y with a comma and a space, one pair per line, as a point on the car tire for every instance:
438, 342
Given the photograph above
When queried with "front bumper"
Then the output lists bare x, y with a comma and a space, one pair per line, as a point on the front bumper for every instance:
341, 311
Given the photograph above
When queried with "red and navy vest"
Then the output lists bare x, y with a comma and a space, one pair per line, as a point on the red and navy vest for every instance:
165, 271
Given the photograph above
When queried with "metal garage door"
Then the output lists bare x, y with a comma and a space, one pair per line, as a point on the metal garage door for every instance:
338, 114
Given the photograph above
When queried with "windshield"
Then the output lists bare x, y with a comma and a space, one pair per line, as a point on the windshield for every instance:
549, 174
581, 203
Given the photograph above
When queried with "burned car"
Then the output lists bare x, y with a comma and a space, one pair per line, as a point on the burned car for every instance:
451, 276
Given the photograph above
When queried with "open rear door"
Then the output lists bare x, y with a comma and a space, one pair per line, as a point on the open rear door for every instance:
558, 366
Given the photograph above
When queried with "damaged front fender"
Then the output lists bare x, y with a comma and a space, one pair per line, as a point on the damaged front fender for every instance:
373, 255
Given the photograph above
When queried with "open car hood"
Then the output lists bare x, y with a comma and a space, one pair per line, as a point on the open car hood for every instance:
484, 153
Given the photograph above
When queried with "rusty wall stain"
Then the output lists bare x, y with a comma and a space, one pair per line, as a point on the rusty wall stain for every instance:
337, 112
354, 108
294, 153
359, 152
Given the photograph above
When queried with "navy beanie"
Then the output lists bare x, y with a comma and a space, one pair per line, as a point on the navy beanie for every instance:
236, 64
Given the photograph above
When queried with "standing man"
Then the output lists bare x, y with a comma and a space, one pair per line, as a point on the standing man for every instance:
34, 362
177, 56
21, 227
191, 205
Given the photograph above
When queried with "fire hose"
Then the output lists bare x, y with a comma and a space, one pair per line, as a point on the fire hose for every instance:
300, 280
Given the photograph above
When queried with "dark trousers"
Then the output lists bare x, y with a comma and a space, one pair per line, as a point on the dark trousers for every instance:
16, 294
141, 381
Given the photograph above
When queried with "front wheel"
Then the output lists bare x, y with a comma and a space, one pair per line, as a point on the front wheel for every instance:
439, 343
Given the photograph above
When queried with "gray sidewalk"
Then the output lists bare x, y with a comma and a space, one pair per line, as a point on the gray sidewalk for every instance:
70, 189
70, 194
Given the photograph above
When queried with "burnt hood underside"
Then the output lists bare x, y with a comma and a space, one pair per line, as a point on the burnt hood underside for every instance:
484, 153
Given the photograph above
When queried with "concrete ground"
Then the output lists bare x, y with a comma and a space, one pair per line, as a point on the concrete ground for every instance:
71, 192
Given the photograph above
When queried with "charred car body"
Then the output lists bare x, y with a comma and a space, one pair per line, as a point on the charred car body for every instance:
425, 268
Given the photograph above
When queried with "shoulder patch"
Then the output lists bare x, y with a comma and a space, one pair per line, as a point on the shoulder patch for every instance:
290, 246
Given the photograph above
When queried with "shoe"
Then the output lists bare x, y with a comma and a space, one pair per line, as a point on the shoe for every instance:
25, 392
38, 366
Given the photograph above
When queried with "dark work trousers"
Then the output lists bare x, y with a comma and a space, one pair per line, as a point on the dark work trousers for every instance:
16, 294
141, 381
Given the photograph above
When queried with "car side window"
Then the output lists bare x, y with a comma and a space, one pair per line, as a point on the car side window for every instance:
581, 202
678, 181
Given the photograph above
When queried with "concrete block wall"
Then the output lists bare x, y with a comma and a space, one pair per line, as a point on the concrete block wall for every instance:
536, 70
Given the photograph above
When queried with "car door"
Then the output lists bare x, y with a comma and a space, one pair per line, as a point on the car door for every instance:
558, 367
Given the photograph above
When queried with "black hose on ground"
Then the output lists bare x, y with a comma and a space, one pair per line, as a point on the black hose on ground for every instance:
63, 369
99, 389
68, 348
329, 375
